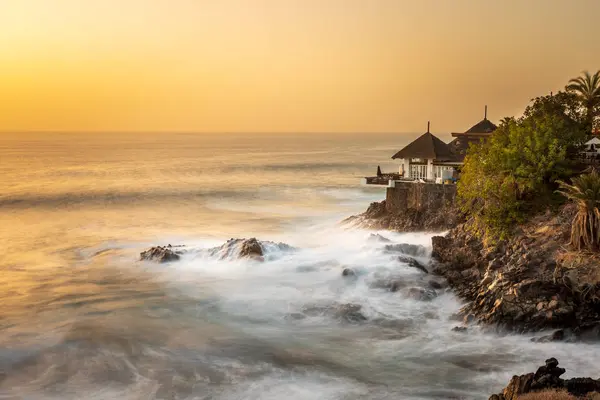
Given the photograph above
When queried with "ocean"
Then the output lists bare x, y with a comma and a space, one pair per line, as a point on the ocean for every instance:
83, 317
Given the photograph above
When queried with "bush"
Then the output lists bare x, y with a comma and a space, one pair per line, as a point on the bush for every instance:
585, 192
548, 395
514, 172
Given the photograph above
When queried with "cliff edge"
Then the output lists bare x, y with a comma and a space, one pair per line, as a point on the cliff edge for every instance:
531, 282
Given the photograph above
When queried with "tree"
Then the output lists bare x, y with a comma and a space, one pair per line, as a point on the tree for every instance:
506, 177
587, 89
585, 192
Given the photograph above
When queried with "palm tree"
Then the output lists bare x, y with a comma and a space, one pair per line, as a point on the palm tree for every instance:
585, 192
587, 88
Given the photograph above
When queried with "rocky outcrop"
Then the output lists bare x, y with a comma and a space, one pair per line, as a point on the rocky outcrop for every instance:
247, 248
378, 216
547, 377
344, 312
161, 254
529, 283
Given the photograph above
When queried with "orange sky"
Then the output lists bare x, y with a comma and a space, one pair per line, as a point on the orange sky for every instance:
284, 65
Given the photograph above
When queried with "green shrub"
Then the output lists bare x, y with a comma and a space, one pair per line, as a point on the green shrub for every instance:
514, 172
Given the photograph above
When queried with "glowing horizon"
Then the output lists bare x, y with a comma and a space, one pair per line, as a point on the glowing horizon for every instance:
284, 65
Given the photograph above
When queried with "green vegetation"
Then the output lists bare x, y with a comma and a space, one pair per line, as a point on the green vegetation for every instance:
585, 192
587, 90
511, 175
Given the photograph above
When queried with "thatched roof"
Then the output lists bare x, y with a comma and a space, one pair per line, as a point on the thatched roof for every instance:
483, 126
426, 146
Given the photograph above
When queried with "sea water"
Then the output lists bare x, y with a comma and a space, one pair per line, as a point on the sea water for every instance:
82, 317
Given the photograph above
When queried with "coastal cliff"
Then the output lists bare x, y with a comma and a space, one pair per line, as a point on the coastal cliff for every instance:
411, 206
531, 282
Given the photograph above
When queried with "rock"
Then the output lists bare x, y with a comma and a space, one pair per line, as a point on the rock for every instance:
411, 262
344, 312
376, 237
518, 385
556, 336
239, 248
461, 329
582, 386
552, 305
348, 272
393, 285
350, 313
435, 285
421, 294
160, 254
413, 250
547, 377
251, 248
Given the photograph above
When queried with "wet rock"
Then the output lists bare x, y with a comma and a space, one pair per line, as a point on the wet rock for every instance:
344, 312
421, 294
393, 285
548, 377
413, 250
160, 254
556, 336
435, 285
411, 262
582, 386
376, 237
350, 313
518, 385
460, 329
348, 272
239, 248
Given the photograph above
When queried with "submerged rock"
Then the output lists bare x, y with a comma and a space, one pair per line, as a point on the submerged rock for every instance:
391, 284
414, 250
411, 262
546, 377
376, 237
160, 254
421, 294
345, 312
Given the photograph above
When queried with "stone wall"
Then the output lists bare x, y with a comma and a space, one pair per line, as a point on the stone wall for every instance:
418, 196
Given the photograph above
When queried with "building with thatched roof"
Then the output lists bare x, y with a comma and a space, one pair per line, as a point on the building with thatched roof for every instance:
427, 158
478, 132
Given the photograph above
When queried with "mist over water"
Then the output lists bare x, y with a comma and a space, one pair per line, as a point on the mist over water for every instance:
83, 318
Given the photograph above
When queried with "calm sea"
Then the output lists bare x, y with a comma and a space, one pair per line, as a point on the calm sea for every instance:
82, 317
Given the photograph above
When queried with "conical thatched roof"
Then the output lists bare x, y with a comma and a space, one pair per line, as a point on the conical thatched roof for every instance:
426, 146
483, 126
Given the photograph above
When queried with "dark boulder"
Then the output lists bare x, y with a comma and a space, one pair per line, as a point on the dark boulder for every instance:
411, 262
421, 294
160, 254
348, 272
547, 377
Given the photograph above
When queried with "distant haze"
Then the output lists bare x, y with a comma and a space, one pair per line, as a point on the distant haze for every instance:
284, 65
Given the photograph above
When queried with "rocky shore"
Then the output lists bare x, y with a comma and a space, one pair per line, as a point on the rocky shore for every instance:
546, 383
532, 282
430, 219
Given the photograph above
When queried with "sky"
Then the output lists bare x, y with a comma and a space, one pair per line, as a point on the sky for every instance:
284, 65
